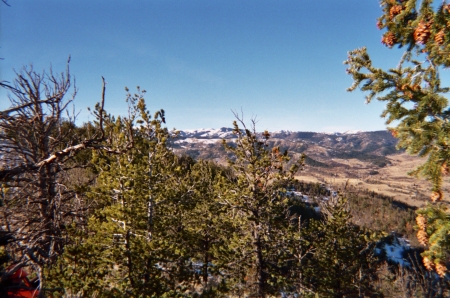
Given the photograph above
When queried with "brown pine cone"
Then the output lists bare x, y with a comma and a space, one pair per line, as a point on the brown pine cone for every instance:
447, 8
422, 236
379, 24
439, 37
395, 10
394, 133
444, 169
428, 263
436, 196
421, 222
441, 269
422, 32
388, 39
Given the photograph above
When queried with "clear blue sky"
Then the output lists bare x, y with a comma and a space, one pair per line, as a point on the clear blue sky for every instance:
280, 61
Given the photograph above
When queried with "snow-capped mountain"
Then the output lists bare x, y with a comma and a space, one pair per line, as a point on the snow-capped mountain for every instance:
206, 143
207, 133
227, 133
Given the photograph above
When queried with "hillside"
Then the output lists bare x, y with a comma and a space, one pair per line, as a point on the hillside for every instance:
362, 160
206, 143
319, 147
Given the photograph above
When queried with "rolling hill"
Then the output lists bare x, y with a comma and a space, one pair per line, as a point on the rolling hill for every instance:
365, 161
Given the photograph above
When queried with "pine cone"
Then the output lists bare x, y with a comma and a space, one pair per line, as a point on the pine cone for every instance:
422, 236
402, 87
441, 269
428, 263
439, 37
447, 8
422, 32
394, 133
444, 169
395, 10
388, 39
421, 222
379, 25
436, 196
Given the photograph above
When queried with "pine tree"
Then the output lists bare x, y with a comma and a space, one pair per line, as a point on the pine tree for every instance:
157, 229
415, 99
341, 261
208, 226
122, 252
257, 203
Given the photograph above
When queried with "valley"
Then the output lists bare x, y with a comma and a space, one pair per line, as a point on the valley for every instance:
356, 161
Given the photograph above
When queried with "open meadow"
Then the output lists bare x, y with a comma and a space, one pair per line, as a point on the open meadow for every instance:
392, 180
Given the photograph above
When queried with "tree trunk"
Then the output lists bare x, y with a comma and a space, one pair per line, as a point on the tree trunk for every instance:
205, 263
260, 276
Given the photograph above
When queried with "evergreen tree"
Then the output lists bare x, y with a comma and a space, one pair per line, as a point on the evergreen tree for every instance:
208, 226
341, 261
38, 152
122, 252
416, 101
157, 229
41, 149
256, 201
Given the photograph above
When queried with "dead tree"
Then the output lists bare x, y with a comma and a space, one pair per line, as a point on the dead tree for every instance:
37, 148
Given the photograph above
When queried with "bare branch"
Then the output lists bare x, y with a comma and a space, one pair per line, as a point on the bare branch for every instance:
102, 106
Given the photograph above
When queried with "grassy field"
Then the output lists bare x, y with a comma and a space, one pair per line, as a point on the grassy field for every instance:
392, 180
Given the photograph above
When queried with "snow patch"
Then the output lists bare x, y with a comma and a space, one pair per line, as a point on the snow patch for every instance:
352, 132
395, 249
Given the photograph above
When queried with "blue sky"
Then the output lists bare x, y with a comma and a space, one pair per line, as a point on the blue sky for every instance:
278, 61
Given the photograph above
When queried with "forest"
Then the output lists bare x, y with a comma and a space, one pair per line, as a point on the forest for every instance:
107, 209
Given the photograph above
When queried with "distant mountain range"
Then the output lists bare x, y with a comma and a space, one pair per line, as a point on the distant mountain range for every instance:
319, 147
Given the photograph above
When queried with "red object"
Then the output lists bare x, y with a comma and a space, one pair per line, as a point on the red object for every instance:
20, 286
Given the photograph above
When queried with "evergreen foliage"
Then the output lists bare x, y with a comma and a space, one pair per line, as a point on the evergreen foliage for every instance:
342, 263
157, 229
209, 227
415, 98
133, 219
259, 207
124, 233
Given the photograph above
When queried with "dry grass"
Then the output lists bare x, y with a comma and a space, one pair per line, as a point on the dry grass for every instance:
392, 180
